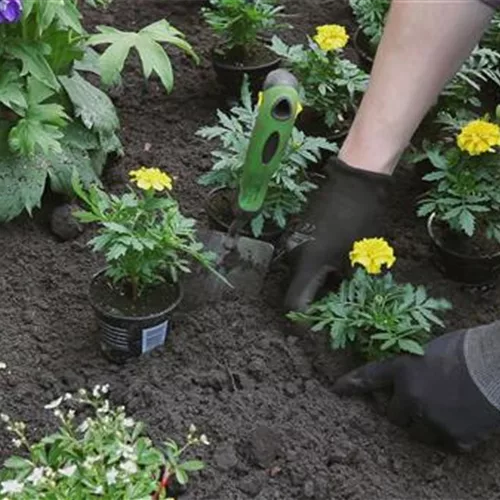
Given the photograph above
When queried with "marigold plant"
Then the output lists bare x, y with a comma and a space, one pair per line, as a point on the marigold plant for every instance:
143, 235
97, 452
330, 84
464, 191
373, 314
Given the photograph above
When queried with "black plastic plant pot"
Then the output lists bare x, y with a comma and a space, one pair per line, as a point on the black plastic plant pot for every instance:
469, 270
219, 207
363, 48
126, 334
231, 74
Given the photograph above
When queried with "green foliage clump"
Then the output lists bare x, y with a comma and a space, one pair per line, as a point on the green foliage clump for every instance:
241, 23
463, 190
289, 185
145, 238
330, 83
375, 316
105, 455
370, 16
52, 119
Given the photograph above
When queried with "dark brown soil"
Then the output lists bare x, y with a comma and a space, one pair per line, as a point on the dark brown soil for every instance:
257, 56
117, 299
237, 368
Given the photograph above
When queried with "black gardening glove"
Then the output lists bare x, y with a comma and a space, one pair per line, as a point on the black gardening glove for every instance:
347, 208
449, 396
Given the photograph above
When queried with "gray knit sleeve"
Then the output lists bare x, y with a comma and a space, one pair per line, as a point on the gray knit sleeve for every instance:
482, 357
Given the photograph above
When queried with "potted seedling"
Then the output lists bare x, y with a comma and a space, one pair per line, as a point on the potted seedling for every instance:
370, 16
147, 244
242, 26
463, 203
289, 186
371, 313
331, 84
96, 452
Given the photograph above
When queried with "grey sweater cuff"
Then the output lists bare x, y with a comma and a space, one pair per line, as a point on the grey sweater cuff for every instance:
482, 357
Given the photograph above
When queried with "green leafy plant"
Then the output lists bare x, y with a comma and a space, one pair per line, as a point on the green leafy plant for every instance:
373, 314
144, 237
464, 186
52, 119
370, 16
241, 23
491, 38
330, 83
289, 185
96, 452
482, 66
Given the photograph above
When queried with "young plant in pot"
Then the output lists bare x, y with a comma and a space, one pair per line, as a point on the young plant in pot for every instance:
331, 84
370, 16
147, 243
463, 204
242, 25
371, 313
97, 451
289, 186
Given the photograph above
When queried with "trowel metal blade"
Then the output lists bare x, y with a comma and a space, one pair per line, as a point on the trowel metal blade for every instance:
245, 266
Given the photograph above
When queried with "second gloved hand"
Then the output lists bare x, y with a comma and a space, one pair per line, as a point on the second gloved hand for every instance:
347, 208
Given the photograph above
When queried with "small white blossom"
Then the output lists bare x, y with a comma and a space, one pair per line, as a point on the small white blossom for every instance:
3, 366
36, 475
204, 440
71, 414
54, 404
58, 413
90, 461
129, 467
99, 490
68, 471
11, 486
192, 429
105, 389
82, 392
17, 443
128, 422
5, 418
96, 391
111, 476
67, 396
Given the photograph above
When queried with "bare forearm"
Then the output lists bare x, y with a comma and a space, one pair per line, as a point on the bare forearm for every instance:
424, 44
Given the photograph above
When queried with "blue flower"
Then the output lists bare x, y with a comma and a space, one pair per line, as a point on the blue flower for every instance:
10, 11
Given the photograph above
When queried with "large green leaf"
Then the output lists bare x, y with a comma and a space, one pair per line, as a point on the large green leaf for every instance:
91, 104
22, 182
12, 93
34, 61
147, 42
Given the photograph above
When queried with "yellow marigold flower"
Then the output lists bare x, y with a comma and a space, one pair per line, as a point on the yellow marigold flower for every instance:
331, 37
479, 136
151, 178
372, 254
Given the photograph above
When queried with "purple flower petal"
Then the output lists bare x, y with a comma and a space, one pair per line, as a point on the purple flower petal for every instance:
10, 11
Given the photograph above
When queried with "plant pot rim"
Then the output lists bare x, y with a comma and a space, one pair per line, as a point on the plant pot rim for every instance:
245, 232
255, 67
430, 231
355, 40
151, 317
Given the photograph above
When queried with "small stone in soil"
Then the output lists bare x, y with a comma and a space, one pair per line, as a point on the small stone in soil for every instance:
264, 446
257, 368
225, 457
252, 484
309, 489
63, 224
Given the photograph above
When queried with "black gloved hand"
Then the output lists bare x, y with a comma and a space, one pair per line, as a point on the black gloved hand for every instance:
347, 208
449, 396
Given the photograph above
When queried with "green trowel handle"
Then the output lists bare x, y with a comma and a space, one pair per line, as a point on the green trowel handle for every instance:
278, 110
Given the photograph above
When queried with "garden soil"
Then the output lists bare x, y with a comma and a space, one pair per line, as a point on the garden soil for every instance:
257, 386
